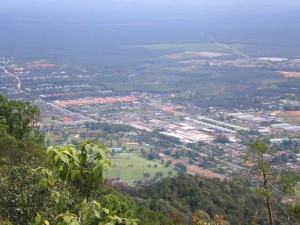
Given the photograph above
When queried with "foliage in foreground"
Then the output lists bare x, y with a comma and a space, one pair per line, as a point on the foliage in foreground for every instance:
64, 185
62, 192
68, 189
273, 185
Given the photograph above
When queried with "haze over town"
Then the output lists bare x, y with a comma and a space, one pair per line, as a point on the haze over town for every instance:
169, 86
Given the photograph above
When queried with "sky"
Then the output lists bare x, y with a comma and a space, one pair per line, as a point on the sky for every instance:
31, 5
118, 11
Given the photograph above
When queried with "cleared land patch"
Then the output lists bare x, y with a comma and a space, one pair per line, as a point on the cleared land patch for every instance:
289, 73
107, 100
293, 115
40, 64
174, 109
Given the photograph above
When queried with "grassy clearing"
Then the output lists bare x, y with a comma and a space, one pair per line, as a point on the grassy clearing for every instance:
182, 47
209, 46
131, 167
193, 55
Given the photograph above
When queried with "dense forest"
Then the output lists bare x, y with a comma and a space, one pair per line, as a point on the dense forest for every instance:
65, 185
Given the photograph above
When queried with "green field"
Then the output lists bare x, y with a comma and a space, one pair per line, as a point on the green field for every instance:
224, 48
182, 47
131, 167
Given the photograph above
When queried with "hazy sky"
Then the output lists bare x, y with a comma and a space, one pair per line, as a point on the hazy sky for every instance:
162, 4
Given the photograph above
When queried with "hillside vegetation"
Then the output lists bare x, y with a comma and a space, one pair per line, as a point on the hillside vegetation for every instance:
65, 185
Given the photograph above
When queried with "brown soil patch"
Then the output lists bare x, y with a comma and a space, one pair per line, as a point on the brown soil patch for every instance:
289, 74
289, 114
40, 64
66, 119
174, 109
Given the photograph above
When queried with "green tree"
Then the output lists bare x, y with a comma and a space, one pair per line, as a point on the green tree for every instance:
159, 174
80, 168
181, 167
275, 185
260, 153
146, 174
20, 118
221, 139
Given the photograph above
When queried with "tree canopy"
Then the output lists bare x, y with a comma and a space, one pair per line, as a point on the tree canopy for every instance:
18, 118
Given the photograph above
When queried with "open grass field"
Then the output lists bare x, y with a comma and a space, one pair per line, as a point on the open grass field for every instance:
207, 47
183, 47
192, 55
131, 167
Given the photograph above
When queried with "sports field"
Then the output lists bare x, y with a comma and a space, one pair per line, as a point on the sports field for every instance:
131, 167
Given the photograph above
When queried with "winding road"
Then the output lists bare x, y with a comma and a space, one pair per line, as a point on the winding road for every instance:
19, 84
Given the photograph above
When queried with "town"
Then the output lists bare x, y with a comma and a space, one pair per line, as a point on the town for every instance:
209, 141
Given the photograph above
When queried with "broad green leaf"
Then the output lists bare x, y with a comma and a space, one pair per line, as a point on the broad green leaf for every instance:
95, 148
56, 157
96, 213
106, 210
64, 158
38, 219
51, 181
102, 152
49, 149
97, 204
67, 219
88, 147
55, 197
98, 171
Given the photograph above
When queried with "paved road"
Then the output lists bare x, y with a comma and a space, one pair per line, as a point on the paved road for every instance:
19, 83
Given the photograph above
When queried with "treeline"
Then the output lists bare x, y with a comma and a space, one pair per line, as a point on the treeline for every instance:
109, 127
62, 185
166, 138
179, 198
290, 107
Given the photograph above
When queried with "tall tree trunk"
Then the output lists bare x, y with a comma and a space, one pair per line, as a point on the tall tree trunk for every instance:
268, 200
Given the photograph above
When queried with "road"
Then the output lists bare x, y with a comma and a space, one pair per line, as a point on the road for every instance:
225, 46
19, 83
